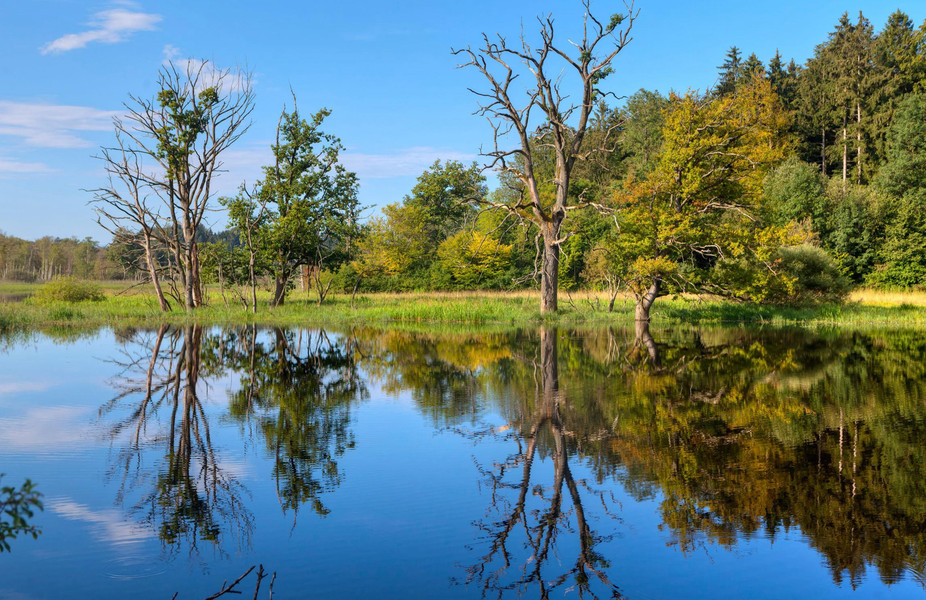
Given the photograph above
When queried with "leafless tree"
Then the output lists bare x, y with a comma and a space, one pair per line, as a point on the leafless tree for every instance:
538, 529
125, 210
193, 498
168, 150
563, 119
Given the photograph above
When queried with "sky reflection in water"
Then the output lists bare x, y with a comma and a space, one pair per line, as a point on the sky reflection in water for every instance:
393, 463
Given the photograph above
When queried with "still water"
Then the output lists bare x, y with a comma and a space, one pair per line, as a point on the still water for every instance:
365, 463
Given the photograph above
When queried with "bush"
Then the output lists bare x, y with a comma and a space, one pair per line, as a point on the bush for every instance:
68, 289
808, 275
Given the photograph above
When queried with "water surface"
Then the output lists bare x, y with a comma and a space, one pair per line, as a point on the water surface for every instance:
712, 463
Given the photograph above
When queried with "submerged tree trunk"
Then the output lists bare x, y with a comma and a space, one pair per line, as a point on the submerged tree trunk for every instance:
645, 302
645, 339
549, 362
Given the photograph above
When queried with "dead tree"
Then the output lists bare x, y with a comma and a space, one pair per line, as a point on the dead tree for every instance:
563, 119
124, 209
535, 516
170, 148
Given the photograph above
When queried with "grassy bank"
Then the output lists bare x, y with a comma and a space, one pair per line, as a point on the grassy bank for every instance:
128, 306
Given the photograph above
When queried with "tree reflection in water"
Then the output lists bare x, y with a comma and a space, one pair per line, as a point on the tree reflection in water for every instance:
300, 387
192, 498
734, 432
542, 526
297, 387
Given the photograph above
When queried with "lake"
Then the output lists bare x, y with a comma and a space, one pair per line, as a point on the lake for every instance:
407, 463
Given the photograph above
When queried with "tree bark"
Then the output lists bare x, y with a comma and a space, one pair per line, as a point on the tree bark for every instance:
858, 137
196, 275
153, 273
549, 276
845, 153
279, 292
823, 151
645, 302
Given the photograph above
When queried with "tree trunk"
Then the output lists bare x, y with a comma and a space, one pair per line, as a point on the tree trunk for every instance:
279, 292
845, 153
823, 151
153, 273
858, 137
195, 275
549, 276
645, 302
253, 281
613, 293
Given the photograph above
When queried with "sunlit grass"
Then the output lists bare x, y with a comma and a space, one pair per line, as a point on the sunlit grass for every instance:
133, 306
887, 298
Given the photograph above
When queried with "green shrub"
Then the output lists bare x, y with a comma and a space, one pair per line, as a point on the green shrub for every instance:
812, 276
68, 289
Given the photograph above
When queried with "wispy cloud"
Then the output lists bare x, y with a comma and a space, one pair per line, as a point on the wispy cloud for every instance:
108, 27
16, 167
401, 163
108, 525
19, 387
51, 125
46, 429
206, 73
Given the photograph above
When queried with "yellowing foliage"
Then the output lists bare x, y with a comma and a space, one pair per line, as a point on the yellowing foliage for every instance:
696, 222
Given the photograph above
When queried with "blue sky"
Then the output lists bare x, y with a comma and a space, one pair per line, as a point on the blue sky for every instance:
384, 69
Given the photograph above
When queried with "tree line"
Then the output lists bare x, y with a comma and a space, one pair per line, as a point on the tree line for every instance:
783, 183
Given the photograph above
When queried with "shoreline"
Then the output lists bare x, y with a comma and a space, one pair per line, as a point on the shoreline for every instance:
482, 309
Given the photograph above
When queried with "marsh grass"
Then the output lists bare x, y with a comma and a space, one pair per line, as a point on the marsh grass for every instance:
127, 306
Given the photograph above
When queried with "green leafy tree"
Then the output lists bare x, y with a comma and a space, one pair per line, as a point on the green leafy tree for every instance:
642, 130
855, 230
472, 259
695, 223
796, 191
310, 201
17, 506
903, 177
900, 59
404, 243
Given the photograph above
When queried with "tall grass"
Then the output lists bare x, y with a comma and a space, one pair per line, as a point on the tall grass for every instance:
137, 307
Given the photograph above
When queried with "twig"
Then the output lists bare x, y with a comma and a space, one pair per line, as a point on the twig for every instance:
231, 588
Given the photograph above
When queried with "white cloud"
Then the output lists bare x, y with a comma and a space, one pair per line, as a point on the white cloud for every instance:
47, 429
205, 72
19, 387
401, 163
17, 167
51, 125
108, 27
108, 525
